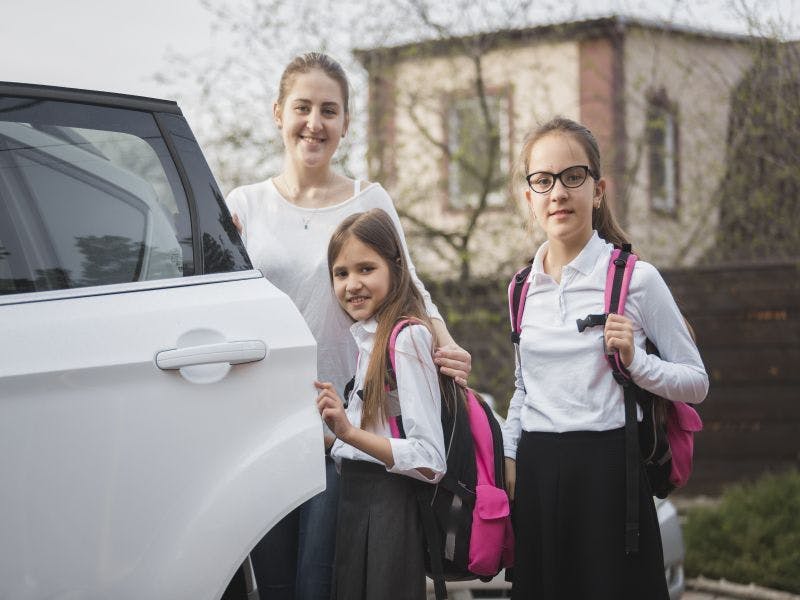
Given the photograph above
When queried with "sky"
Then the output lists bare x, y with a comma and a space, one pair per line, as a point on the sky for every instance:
119, 45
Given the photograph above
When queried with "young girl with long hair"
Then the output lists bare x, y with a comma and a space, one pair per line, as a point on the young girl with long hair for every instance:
564, 435
286, 222
379, 537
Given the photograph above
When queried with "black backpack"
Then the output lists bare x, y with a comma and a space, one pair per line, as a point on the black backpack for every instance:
448, 509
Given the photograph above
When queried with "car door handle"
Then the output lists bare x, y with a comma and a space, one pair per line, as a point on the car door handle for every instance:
226, 352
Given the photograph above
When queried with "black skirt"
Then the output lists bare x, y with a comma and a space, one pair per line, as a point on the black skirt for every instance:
379, 539
569, 521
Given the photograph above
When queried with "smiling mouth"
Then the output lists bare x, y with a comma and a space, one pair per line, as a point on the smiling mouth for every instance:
357, 300
312, 140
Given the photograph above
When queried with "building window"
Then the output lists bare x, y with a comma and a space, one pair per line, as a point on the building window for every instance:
662, 151
477, 161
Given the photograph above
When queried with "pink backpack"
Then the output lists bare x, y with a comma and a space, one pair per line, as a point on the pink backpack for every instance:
466, 519
665, 437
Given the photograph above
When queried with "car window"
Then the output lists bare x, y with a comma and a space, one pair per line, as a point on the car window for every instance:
89, 196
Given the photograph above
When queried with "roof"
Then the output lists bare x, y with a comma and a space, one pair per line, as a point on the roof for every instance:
615, 25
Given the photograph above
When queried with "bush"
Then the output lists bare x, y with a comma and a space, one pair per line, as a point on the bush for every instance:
753, 535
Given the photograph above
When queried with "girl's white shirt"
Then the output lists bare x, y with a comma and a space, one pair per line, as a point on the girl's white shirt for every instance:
417, 400
564, 382
289, 245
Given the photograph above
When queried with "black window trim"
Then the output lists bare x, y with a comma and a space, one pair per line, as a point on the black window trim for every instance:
194, 221
63, 94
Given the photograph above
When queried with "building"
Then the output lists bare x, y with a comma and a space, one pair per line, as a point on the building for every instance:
447, 119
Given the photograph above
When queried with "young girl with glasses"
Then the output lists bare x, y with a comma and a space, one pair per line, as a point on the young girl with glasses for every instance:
564, 435
379, 538
286, 222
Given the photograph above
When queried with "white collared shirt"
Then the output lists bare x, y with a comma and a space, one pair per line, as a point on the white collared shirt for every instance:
564, 382
417, 399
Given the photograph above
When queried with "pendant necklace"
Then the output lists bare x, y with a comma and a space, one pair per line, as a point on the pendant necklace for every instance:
306, 220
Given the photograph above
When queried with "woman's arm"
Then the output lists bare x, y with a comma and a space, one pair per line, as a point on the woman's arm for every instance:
451, 358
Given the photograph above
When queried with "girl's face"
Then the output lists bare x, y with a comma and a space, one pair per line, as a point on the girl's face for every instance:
312, 118
361, 279
564, 213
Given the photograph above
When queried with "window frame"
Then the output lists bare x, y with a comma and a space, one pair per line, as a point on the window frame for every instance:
663, 192
505, 159
189, 175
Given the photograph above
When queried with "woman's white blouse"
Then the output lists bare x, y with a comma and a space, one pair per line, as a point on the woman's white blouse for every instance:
289, 245
417, 399
564, 382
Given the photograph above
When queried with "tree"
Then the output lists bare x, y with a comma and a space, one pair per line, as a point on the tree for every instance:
759, 197
236, 93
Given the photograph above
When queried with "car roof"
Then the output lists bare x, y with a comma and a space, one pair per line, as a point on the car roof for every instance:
49, 92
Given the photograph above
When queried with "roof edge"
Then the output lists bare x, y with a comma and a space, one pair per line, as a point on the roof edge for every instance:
587, 28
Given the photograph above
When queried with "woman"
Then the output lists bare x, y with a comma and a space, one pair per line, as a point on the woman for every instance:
286, 223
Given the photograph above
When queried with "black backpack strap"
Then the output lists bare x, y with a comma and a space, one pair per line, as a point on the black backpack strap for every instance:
348, 389
629, 390
432, 540
516, 299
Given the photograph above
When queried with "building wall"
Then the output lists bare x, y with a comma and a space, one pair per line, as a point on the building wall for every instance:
602, 78
540, 79
697, 75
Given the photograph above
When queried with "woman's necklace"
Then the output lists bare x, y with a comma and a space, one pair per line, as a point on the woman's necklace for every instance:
293, 196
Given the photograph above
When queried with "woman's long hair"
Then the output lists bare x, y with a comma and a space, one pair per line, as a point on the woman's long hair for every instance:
374, 228
603, 220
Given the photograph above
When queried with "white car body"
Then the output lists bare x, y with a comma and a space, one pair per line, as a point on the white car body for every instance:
151, 432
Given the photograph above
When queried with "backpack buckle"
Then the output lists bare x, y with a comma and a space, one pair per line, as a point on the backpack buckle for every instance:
591, 321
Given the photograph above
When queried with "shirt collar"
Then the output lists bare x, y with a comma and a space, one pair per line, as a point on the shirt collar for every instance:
363, 330
583, 263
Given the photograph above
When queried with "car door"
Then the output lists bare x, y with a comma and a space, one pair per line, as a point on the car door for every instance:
156, 403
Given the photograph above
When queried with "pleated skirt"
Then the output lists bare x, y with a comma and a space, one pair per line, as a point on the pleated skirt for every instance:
569, 522
379, 538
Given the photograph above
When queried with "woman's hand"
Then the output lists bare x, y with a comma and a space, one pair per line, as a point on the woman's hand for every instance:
454, 361
511, 477
237, 223
331, 409
619, 337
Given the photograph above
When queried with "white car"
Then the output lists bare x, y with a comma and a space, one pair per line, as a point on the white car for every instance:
157, 411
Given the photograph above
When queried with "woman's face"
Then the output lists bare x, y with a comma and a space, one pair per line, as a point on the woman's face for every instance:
565, 213
312, 119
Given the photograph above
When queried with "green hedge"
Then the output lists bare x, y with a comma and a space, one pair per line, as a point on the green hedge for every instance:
753, 535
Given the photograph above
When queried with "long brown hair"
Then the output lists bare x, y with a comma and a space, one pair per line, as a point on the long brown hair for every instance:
374, 228
603, 219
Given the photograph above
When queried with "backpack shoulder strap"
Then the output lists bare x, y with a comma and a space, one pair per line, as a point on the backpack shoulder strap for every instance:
618, 280
396, 423
517, 293
398, 327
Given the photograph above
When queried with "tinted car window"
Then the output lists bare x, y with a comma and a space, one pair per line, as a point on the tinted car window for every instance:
89, 196
222, 248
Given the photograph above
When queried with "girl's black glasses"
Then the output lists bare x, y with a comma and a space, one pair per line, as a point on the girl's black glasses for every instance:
542, 182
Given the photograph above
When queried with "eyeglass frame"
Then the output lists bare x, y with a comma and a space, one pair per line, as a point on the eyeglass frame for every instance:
557, 177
